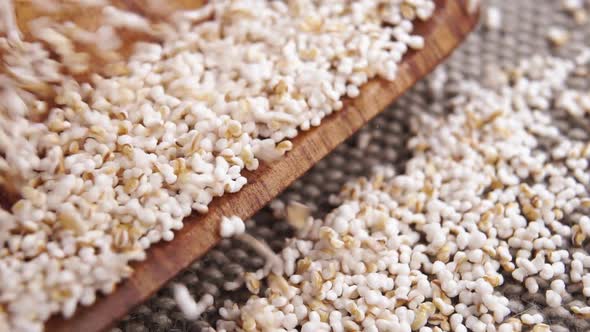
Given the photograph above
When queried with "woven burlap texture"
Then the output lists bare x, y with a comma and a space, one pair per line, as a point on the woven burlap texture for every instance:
522, 34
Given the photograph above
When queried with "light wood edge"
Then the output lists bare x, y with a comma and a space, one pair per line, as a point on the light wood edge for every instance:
200, 233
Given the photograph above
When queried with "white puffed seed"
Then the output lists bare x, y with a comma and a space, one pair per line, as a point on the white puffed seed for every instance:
553, 298
558, 36
577, 9
493, 18
231, 226
186, 303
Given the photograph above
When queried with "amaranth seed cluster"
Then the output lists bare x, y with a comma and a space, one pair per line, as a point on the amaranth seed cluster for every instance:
493, 190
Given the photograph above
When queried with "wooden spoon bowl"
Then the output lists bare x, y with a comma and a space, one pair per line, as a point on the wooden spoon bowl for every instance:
448, 27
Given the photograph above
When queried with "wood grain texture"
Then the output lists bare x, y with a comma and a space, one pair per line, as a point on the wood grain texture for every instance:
443, 33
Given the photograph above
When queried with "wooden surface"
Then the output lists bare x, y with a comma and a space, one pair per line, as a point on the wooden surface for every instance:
443, 33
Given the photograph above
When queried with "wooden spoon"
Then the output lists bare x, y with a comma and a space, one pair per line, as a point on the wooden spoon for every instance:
443, 33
